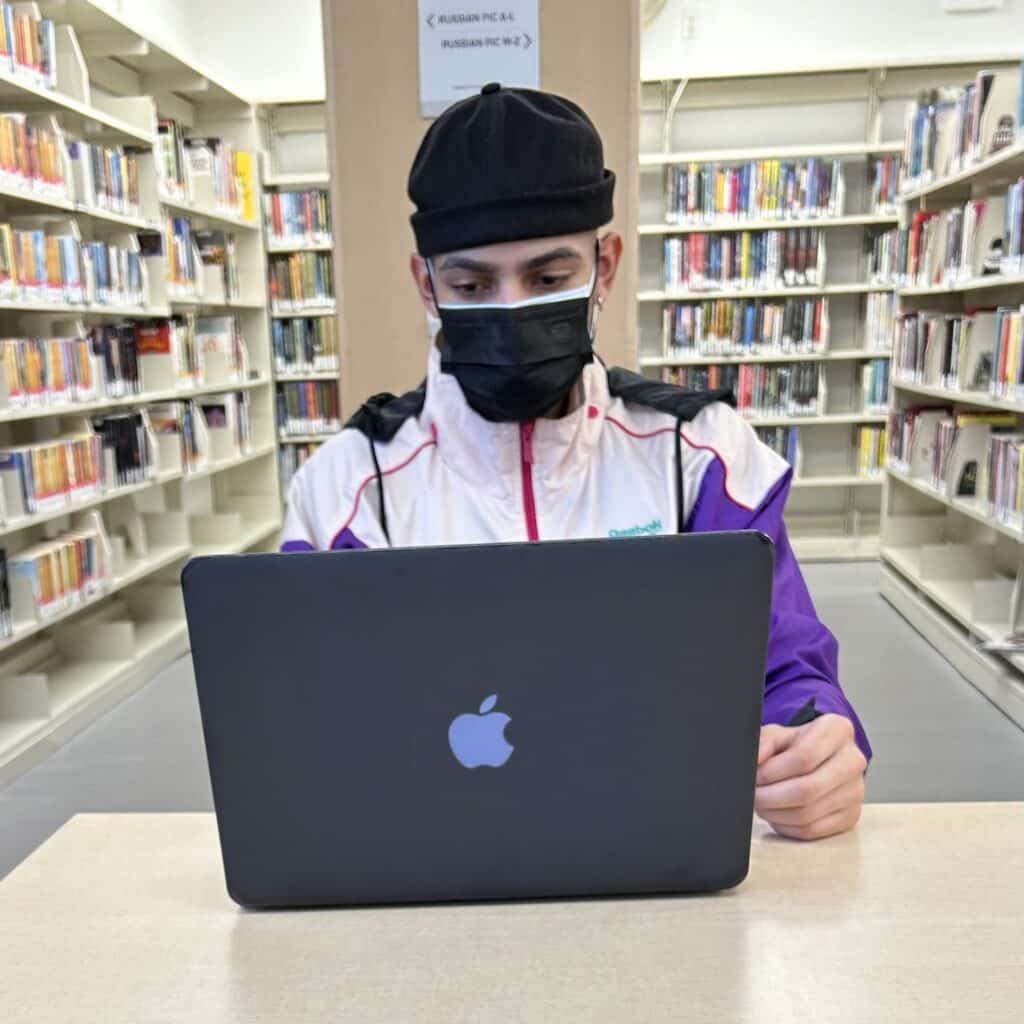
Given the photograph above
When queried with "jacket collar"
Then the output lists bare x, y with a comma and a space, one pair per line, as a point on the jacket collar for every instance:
489, 455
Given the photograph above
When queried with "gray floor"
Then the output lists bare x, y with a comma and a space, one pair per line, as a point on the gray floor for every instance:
935, 737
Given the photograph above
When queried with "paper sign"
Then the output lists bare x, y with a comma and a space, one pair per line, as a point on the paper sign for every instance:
463, 47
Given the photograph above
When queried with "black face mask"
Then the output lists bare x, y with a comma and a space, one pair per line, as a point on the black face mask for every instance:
515, 363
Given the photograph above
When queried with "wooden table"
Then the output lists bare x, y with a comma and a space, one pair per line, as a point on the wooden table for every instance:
918, 916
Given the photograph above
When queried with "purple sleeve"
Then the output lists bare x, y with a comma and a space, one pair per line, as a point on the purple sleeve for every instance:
802, 657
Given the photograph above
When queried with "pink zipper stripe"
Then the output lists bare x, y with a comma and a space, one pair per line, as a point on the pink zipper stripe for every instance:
526, 465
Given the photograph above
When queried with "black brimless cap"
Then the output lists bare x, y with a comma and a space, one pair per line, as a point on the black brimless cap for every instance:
506, 165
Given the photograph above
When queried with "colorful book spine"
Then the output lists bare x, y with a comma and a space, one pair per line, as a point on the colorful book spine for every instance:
291, 457
784, 441
301, 280
776, 389
698, 193
871, 450
1004, 479
308, 407
297, 218
304, 345
875, 385
62, 573
51, 474
47, 371
750, 259
745, 326
879, 321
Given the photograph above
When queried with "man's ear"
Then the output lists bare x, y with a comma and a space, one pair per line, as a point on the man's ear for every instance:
608, 259
421, 278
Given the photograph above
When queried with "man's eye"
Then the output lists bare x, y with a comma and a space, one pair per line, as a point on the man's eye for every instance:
553, 282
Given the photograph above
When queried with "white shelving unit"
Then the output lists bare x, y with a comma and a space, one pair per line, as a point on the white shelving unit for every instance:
850, 115
58, 672
948, 565
295, 158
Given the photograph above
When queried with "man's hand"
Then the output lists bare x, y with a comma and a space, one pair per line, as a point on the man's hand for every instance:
810, 778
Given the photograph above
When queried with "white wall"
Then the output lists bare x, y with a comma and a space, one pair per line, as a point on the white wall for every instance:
264, 49
764, 35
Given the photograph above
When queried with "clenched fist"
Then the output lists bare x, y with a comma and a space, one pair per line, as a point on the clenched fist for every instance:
810, 778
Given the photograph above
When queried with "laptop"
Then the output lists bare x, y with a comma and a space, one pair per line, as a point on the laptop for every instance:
563, 719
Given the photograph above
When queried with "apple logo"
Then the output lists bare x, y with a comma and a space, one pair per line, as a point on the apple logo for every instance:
480, 739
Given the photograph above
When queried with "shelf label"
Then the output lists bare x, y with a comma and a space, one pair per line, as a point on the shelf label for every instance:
465, 46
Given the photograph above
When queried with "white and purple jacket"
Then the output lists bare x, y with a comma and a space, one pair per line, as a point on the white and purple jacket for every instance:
613, 468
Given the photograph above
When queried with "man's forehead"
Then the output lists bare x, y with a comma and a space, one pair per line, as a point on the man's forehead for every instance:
518, 255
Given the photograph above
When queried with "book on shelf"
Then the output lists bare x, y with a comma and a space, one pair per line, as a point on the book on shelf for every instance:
42, 265
948, 130
105, 177
49, 475
211, 165
221, 336
297, 218
698, 193
761, 390
245, 173
32, 154
28, 46
920, 247
887, 256
180, 251
57, 575
218, 249
308, 407
1002, 483
979, 238
116, 349
1008, 353
6, 612
789, 258
173, 339
911, 432
46, 261
1011, 253
871, 449
304, 345
875, 385
115, 274
784, 441
176, 421
959, 449
172, 164
947, 448
301, 280
290, 457
126, 448
744, 326
955, 350
879, 321
42, 372
884, 176
230, 415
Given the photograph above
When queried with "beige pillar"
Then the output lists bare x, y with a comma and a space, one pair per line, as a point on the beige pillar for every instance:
589, 52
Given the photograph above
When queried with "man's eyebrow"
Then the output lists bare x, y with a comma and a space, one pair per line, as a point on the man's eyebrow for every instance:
564, 253
465, 263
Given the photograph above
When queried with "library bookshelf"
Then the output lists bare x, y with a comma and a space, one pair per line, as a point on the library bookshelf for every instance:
850, 120
951, 558
304, 340
66, 662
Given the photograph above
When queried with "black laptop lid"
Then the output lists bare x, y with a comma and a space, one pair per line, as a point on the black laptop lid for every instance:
354, 707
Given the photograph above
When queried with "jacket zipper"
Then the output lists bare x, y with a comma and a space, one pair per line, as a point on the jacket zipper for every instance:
526, 465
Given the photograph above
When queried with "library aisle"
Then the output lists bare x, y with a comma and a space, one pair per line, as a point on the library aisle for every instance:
935, 737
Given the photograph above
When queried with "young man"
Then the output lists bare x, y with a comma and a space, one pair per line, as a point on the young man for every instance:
519, 434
